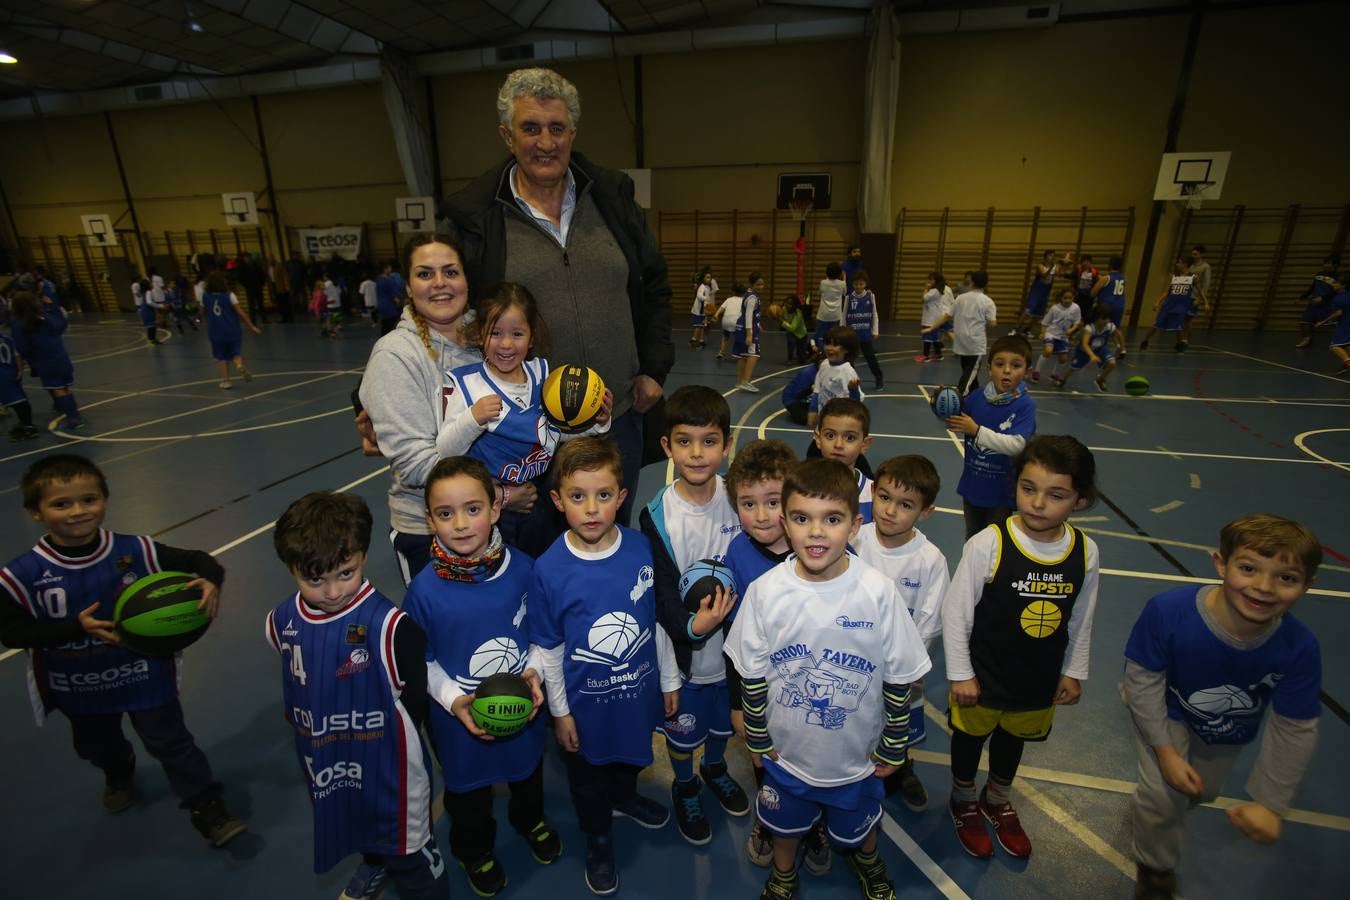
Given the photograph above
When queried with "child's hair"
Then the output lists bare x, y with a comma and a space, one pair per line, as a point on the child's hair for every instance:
1068, 292
586, 454
751, 279
860, 275
1272, 536
493, 305
1101, 311
1117, 262
215, 282
980, 279
698, 405
822, 479
1049, 254
422, 240
914, 472
1085, 258
763, 460
702, 274
833, 270
454, 466
846, 337
26, 309
320, 530
1062, 454
939, 283
1011, 343
1199, 248
1180, 267
790, 302
54, 468
846, 407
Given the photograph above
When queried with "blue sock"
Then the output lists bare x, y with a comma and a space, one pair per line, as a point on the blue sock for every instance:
714, 750
66, 404
681, 762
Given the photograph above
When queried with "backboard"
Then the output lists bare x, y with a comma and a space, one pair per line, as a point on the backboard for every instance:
1191, 176
415, 213
814, 186
240, 209
98, 230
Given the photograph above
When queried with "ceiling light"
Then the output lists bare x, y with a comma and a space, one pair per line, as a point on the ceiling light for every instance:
7, 59
194, 26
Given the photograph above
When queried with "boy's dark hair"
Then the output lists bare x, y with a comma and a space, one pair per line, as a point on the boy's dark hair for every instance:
1011, 343
822, 479
1062, 454
914, 472
1272, 536
1199, 248
1117, 262
980, 279
843, 336
586, 454
833, 270
1101, 311
54, 468
700, 406
751, 279
320, 530
757, 461
454, 466
861, 274
846, 408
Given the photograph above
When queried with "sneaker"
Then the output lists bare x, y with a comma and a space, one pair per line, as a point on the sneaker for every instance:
210, 817
879, 386
226, 385
1181, 346
689, 817
545, 843
747, 386
922, 358
117, 789
23, 433
602, 876
1059, 382
486, 876
367, 882
872, 878
1007, 827
1303, 344
970, 830
816, 850
907, 784
780, 887
1101, 385
1035, 374
721, 356
1154, 884
647, 813
1143, 345
246, 374
759, 845
76, 425
728, 793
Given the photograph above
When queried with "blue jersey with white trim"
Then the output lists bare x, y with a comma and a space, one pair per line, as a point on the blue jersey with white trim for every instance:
87, 677
518, 445
44, 348
987, 475
864, 496
222, 319
858, 312
359, 749
9, 360
1180, 292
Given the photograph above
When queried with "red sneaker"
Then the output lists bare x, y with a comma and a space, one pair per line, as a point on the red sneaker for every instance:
1007, 827
1035, 374
970, 830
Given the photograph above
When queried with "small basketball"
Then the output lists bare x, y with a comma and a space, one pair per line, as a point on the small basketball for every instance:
775, 310
709, 308
701, 579
946, 402
1136, 385
1040, 618
157, 615
571, 397
502, 705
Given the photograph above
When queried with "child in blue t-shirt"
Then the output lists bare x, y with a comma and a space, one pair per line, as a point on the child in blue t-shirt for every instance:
1340, 340
996, 422
12, 394
36, 330
861, 314
1202, 667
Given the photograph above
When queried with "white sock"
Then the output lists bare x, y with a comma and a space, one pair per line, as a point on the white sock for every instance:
1040, 363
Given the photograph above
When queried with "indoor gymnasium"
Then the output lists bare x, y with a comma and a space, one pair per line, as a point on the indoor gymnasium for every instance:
1150, 191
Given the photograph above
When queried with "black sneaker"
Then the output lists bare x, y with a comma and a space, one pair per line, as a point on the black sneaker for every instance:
1154, 884
214, 822
1181, 346
872, 878
367, 882
23, 433
689, 817
602, 876
759, 845
647, 813
486, 876
728, 793
816, 854
907, 784
1143, 345
545, 843
779, 887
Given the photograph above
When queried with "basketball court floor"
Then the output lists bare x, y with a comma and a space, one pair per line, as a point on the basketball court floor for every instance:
1226, 431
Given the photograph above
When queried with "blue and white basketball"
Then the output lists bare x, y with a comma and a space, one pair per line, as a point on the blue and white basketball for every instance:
701, 579
946, 402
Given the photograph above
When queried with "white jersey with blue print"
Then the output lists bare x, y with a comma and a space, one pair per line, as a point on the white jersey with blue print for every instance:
832, 382
475, 630
1059, 320
825, 649
865, 486
359, 749
918, 570
518, 445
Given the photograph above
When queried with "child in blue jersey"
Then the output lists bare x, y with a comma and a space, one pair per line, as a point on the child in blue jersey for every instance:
176, 299
1325, 284
843, 433
835, 375
996, 423
796, 396
1110, 289
689, 520
472, 603
745, 346
36, 329
145, 309
1017, 631
63, 592
1085, 279
12, 394
494, 411
1174, 306
827, 653
1058, 328
1099, 342
354, 689
223, 315
1038, 296
608, 667
1340, 339
862, 315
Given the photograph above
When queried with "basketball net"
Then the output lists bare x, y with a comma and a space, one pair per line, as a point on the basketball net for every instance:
1193, 193
800, 209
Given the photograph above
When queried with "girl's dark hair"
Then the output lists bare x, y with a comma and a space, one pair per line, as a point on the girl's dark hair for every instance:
939, 283
702, 273
833, 270
1062, 454
751, 279
499, 298
846, 337
27, 310
215, 282
453, 466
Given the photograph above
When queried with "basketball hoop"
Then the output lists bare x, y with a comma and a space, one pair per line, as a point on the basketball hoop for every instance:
1193, 193
801, 207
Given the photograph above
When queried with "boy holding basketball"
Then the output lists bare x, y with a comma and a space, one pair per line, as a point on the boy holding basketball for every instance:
827, 654
685, 522
1202, 667
472, 601
609, 669
354, 664
63, 592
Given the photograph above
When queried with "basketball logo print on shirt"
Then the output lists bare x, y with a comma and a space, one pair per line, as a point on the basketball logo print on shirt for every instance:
826, 687
1219, 710
613, 640
1041, 618
495, 656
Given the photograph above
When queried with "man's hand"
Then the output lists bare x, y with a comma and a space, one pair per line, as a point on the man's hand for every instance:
565, 727
101, 629
646, 391
460, 710
966, 693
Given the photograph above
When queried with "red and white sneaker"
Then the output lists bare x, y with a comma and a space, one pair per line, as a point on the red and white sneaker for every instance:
922, 358
1007, 827
970, 830
1035, 374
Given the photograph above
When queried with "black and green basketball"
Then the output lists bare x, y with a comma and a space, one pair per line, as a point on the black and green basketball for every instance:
157, 615
1136, 385
502, 705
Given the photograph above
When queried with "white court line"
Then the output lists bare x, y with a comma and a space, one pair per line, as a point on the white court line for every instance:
1112, 428
1299, 443
922, 861
98, 438
1168, 506
1281, 365
1195, 481
1167, 452
1070, 823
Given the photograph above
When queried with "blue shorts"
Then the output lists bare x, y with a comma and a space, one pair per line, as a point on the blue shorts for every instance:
1036, 304
789, 807
1170, 318
698, 321
740, 348
1081, 359
226, 350
147, 314
704, 709
1117, 310
1315, 311
56, 377
11, 392
1057, 345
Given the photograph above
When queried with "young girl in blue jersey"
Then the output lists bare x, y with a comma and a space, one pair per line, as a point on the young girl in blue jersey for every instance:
36, 329
996, 422
472, 603
1017, 629
861, 314
354, 665
494, 413
223, 315
1099, 342
1038, 296
1340, 340
12, 394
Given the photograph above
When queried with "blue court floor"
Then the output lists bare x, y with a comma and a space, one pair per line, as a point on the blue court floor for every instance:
1239, 423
